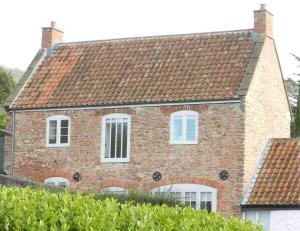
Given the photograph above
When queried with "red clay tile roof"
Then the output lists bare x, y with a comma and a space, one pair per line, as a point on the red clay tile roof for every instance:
177, 68
278, 181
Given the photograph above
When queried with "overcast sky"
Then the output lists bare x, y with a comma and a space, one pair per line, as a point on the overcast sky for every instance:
21, 22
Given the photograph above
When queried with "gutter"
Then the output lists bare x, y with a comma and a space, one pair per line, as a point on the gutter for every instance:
271, 207
131, 105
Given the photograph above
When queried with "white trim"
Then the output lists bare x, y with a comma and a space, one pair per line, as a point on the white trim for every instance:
56, 180
257, 169
58, 118
184, 113
102, 154
182, 188
133, 105
27, 80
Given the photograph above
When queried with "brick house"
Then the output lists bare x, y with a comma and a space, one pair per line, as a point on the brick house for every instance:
194, 109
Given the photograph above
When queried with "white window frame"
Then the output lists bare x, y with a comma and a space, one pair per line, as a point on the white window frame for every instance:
115, 190
183, 188
56, 180
58, 118
258, 215
184, 114
115, 116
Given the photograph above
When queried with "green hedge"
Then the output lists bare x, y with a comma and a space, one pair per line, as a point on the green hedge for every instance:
140, 197
28, 209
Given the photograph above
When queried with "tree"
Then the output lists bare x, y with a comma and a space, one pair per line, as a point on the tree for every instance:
7, 84
296, 128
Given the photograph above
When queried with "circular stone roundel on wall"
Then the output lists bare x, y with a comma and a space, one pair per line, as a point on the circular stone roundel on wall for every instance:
156, 176
223, 175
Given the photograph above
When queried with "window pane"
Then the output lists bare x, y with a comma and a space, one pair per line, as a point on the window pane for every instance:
63, 139
263, 219
177, 128
190, 128
193, 204
193, 196
209, 196
251, 215
113, 139
62, 184
50, 183
203, 196
119, 134
64, 131
124, 148
64, 123
202, 205
187, 195
53, 124
107, 138
52, 131
208, 206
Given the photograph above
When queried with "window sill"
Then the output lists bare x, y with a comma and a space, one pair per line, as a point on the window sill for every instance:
125, 160
182, 143
57, 145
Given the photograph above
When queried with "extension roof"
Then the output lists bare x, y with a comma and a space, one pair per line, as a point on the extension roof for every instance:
278, 180
178, 68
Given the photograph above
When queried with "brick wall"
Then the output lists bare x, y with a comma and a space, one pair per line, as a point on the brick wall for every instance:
220, 147
266, 107
7, 146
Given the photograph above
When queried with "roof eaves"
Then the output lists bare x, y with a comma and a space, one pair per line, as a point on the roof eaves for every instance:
259, 165
132, 105
9, 103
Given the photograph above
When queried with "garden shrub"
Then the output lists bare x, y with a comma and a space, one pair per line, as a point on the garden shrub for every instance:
38, 209
140, 197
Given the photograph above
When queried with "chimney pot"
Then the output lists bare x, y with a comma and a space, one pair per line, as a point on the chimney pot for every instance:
263, 6
53, 24
51, 35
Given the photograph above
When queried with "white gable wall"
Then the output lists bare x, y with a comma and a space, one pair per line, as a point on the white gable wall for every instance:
275, 220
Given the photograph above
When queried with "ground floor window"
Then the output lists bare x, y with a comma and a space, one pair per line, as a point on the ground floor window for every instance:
57, 181
258, 217
194, 195
115, 190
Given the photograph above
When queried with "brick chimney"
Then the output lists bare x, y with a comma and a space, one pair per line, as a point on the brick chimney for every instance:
51, 35
263, 21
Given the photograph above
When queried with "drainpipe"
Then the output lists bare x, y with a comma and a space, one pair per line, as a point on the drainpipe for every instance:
12, 142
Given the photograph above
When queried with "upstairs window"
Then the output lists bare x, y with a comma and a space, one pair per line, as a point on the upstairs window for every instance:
57, 181
58, 131
184, 127
115, 138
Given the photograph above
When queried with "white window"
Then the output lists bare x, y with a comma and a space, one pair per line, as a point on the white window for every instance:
184, 127
194, 195
58, 131
115, 190
57, 181
259, 217
115, 138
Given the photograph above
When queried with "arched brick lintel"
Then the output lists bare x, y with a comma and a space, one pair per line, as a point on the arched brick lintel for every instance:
53, 173
185, 180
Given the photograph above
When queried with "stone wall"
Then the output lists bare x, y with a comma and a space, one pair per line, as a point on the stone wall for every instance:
266, 107
220, 147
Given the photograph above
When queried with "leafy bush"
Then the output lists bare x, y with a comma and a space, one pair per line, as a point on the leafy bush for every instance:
140, 197
28, 209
